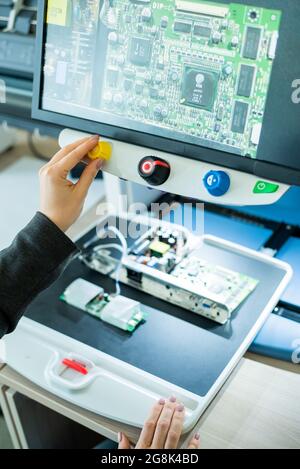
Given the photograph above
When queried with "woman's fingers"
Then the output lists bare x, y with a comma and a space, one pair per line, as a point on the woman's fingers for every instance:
88, 176
163, 424
149, 427
175, 429
195, 442
69, 161
66, 150
124, 443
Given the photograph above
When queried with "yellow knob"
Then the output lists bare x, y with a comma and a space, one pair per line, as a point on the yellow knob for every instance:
102, 150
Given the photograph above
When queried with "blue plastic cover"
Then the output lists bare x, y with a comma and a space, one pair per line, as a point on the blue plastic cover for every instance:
279, 338
290, 253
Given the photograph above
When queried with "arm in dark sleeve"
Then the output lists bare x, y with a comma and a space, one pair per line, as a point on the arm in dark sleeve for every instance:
33, 261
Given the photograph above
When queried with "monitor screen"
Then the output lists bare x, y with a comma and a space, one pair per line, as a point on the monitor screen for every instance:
214, 77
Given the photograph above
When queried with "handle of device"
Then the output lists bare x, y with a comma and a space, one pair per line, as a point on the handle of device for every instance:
86, 369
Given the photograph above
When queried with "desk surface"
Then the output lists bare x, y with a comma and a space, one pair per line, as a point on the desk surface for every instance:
258, 407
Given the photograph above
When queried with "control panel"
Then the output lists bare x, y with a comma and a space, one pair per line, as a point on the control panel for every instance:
177, 175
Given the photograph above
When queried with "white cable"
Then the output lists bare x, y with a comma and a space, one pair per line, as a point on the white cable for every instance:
123, 249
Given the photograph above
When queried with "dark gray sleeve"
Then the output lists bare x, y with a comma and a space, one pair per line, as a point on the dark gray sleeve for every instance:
33, 261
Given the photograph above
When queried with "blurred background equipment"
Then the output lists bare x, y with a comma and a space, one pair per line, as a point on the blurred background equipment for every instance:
17, 49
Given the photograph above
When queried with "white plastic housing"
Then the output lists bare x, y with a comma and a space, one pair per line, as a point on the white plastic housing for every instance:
186, 177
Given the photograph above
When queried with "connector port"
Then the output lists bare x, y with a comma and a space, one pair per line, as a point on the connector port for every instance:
134, 276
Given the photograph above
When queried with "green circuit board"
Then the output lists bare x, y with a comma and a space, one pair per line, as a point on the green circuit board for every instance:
194, 71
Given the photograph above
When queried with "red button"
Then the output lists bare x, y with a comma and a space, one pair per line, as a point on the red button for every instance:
147, 167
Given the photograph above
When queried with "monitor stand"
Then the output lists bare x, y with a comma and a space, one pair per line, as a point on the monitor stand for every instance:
178, 175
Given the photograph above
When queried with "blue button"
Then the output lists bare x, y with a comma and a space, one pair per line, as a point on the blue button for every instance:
217, 183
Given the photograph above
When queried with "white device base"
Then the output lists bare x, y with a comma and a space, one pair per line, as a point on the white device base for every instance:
113, 388
186, 176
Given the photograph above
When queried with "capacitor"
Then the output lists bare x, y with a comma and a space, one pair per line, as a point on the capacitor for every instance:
174, 76
227, 70
164, 22
146, 14
171, 242
216, 37
113, 37
234, 41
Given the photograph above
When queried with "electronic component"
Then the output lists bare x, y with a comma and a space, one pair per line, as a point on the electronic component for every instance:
166, 263
159, 249
255, 134
252, 43
118, 311
182, 27
202, 30
202, 8
146, 14
246, 79
140, 51
239, 117
199, 88
219, 290
112, 77
273, 45
164, 22
216, 37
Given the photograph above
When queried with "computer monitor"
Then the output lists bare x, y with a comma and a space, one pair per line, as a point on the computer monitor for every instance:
217, 83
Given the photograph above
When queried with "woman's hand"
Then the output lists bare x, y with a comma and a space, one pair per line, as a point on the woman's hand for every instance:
61, 200
163, 428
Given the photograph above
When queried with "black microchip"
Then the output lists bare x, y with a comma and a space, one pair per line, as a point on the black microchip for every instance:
140, 51
182, 27
239, 118
246, 78
252, 42
203, 31
199, 88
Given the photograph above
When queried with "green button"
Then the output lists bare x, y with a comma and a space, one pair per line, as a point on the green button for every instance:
263, 187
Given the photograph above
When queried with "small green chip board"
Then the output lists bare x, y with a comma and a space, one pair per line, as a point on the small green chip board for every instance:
194, 69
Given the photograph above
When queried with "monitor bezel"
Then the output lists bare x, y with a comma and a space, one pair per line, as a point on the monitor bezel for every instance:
260, 168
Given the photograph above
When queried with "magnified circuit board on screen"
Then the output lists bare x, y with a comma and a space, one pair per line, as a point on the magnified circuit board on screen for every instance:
196, 70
